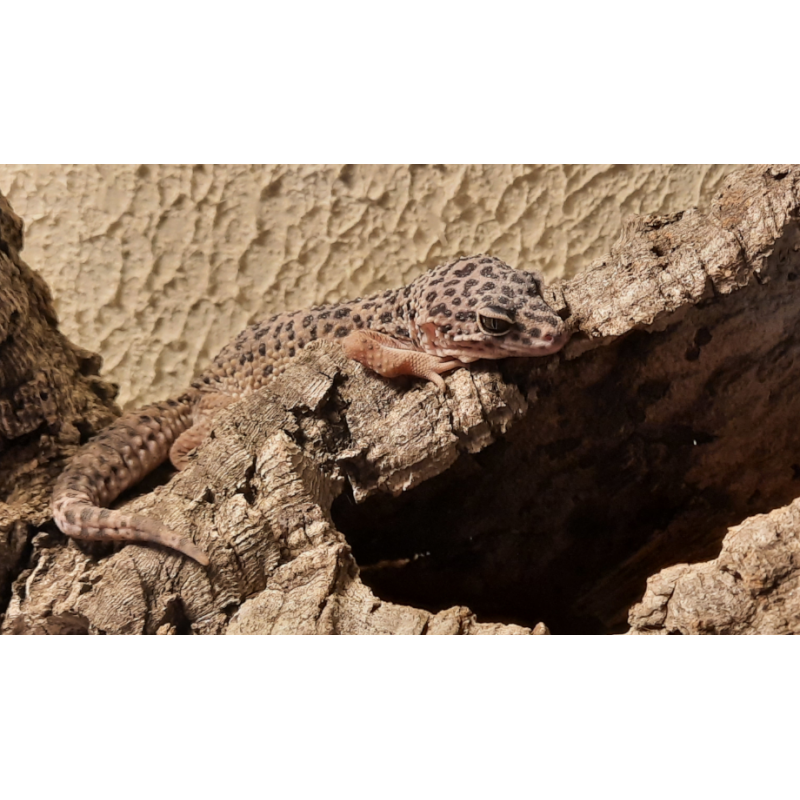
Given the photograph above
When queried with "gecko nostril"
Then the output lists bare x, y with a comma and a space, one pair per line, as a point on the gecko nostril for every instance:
548, 337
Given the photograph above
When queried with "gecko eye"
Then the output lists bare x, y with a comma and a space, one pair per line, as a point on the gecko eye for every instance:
494, 326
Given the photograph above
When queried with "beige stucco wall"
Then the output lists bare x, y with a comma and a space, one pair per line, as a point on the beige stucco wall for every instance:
157, 267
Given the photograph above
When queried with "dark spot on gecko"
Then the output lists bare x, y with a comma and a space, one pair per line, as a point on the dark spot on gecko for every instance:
486, 261
508, 291
402, 332
454, 282
487, 272
86, 514
327, 328
104, 514
340, 332
441, 310
514, 337
307, 320
488, 286
262, 332
262, 349
401, 313
449, 292
407, 291
446, 328
465, 270
324, 314
291, 352
290, 337
456, 301
369, 320
473, 302
145, 418
171, 403
436, 282
368, 306
470, 283
341, 312
277, 345
387, 316
290, 324
268, 369
430, 297
526, 340
465, 316
278, 329
517, 278
249, 356
535, 333
242, 360
357, 319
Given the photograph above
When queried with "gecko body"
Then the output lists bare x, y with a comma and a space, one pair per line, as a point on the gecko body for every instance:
472, 308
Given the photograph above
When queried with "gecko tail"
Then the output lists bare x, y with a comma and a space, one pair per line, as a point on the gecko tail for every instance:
113, 461
81, 520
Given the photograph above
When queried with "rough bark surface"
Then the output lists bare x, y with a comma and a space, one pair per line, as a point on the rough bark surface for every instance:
261, 491
50, 397
751, 587
535, 489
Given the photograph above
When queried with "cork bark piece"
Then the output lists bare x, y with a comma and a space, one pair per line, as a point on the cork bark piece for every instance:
50, 398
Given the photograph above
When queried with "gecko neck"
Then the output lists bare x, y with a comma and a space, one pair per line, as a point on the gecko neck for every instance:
387, 313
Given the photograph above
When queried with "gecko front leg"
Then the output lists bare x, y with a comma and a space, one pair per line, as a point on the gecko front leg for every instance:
387, 357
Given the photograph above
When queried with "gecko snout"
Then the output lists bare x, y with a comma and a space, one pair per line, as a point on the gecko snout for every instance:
553, 341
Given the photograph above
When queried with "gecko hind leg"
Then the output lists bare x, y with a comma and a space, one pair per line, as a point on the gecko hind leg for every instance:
203, 417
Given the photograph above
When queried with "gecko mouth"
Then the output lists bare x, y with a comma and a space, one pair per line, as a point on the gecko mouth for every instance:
497, 348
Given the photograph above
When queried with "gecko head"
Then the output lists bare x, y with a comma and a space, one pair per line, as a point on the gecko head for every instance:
479, 307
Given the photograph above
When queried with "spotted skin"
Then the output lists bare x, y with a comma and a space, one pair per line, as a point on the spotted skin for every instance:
472, 308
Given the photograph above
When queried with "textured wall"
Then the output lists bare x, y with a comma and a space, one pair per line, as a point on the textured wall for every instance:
157, 267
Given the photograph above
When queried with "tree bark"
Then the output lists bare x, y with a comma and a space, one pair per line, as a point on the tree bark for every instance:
50, 399
339, 502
